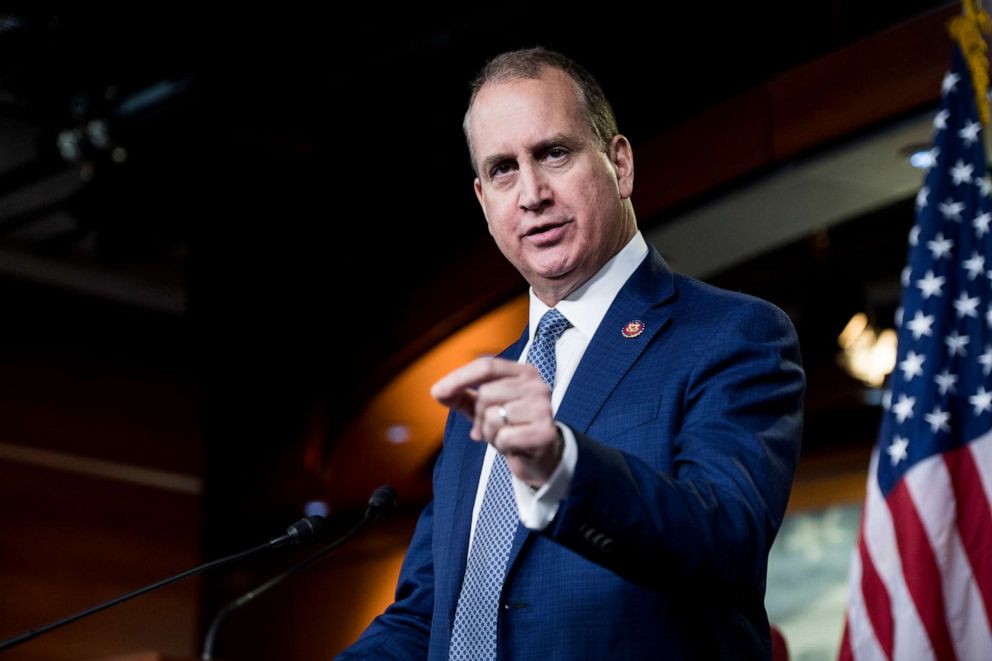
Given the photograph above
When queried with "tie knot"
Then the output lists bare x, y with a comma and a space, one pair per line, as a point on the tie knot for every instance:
552, 324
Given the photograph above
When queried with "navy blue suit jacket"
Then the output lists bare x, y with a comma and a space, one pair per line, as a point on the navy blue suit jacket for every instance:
688, 437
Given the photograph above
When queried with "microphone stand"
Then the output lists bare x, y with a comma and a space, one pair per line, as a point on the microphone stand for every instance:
383, 499
303, 529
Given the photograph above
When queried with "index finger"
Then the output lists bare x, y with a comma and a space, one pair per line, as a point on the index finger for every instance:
472, 375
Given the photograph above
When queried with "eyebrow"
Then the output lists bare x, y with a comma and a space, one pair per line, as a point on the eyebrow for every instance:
538, 148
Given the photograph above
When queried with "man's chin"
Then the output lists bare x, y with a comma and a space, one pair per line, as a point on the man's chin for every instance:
555, 273
551, 266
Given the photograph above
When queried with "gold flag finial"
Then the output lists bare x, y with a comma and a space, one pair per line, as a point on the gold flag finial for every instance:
967, 30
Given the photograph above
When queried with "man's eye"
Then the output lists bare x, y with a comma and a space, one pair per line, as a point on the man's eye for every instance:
500, 169
557, 152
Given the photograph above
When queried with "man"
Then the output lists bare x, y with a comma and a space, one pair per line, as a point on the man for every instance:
651, 423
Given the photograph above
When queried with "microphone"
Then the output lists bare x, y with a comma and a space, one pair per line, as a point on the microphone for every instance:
301, 531
383, 499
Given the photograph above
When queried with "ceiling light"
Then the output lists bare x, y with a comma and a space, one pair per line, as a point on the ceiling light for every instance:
398, 434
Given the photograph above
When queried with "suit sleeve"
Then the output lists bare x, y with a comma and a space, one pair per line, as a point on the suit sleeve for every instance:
402, 632
713, 518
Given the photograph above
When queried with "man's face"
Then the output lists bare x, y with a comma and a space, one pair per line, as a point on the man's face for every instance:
552, 198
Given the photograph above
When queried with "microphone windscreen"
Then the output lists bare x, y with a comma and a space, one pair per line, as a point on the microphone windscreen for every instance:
382, 499
306, 528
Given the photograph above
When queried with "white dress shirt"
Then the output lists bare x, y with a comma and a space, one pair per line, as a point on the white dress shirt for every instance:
585, 309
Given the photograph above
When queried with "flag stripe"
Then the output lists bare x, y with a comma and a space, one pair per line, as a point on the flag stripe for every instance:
845, 653
929, 485
909, 636
876, 599
860, 642
975, 526
923, 580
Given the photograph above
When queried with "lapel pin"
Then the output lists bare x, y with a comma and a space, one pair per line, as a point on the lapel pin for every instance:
632, 329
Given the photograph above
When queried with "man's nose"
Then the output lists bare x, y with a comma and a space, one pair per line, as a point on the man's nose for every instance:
535, 189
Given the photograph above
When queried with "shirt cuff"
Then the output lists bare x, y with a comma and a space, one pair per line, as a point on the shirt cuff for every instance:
538, 508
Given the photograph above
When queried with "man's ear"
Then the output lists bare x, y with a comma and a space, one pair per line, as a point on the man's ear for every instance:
622, 157
481, 196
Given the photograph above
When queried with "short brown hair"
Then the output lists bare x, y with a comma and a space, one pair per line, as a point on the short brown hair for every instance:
530, 63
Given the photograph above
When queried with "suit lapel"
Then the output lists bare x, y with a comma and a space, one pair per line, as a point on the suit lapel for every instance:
610, 355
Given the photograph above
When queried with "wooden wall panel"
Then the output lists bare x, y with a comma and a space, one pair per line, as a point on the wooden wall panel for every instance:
70, 541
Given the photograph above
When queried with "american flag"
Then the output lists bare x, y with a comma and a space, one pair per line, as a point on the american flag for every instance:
921, 575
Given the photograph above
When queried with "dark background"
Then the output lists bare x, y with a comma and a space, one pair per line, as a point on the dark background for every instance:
295, 211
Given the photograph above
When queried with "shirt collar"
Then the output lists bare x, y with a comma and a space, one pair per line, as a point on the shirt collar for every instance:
586, 306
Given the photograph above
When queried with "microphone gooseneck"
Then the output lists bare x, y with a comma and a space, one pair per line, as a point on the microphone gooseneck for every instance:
383, 499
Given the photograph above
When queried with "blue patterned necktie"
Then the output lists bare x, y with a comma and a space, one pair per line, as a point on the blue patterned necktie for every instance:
473, 637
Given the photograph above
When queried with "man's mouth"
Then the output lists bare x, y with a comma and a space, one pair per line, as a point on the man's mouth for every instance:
546, 234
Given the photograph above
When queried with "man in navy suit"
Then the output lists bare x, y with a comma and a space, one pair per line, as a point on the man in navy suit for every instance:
642, 433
